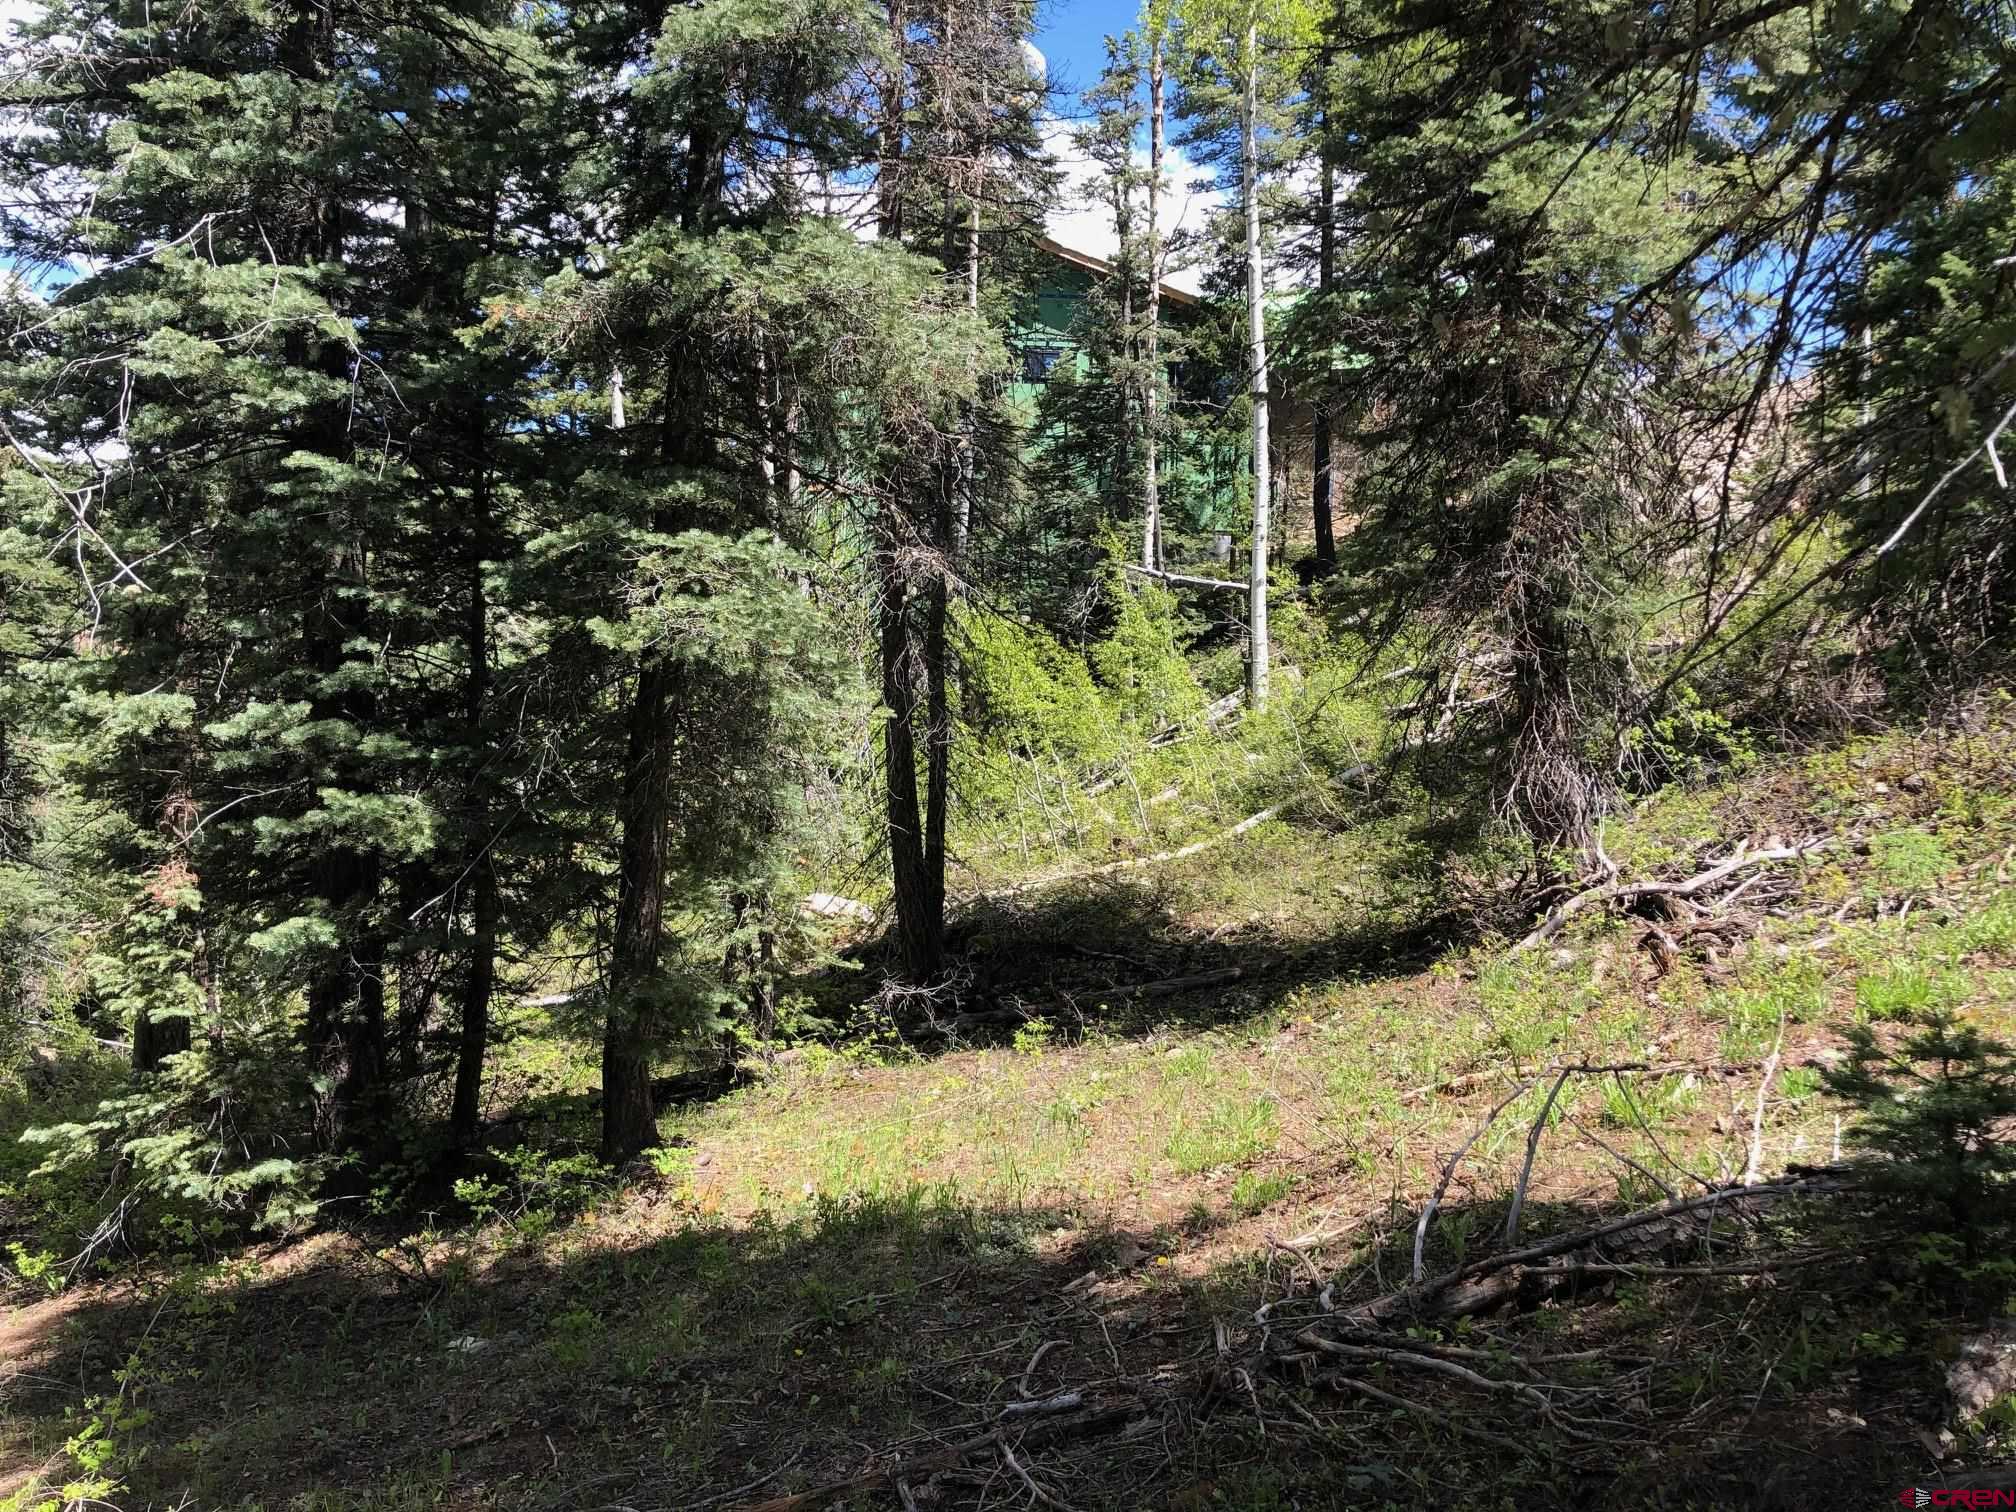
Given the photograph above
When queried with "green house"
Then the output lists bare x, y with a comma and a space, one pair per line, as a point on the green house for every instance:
1205, 487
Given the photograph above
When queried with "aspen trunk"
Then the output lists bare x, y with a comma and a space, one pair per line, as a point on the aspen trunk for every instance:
1326, 273
1151, 485
1256, 329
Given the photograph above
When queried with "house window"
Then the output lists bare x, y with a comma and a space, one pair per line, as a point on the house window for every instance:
1037, 363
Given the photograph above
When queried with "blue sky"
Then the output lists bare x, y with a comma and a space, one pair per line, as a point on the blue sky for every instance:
1072, 37
1072, 33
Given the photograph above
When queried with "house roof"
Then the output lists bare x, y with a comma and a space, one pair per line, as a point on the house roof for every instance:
1104, 269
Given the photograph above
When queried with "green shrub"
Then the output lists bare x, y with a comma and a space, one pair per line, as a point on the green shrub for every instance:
1909, 860
1935, 1114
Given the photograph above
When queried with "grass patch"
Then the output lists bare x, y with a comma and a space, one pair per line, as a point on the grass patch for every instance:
1910, 860
1908, 990
1232, 1133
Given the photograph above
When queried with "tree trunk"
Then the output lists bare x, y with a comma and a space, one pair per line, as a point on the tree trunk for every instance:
1326, 273
962, 520
1151, 405
916, 832
465, 1118
346, 994
1256, 329
419, 976
465, 1115
156, 1037
920, 922
632, 1028
629, 1120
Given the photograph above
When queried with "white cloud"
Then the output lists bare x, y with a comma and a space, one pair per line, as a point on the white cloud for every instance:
1083, 221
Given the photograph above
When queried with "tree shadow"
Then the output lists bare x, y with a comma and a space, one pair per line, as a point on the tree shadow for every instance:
1115, 954
650, 1357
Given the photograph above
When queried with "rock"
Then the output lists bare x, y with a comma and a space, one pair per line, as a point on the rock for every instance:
1983, 1372
1917, 782
822, 905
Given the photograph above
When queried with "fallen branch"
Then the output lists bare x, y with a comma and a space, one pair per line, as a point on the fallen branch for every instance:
1187, 581
1485, 1283
1429, 1364
1449, 1174
1469, 1079
1752, 1168
1057, 1426
1132, 863
1022, 1013
1037, 1359
1405, 1404
1532, 1150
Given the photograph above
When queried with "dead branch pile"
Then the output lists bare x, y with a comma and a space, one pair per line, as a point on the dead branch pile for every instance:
1678, 909
1367, 1349
1020, 1426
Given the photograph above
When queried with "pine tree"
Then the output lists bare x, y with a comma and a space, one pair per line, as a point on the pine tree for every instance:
233, 434
955, 148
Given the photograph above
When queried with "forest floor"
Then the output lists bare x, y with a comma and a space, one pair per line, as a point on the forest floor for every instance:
880, 1250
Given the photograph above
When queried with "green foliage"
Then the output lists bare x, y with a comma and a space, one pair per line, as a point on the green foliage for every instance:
1909, 860
1140, 661
1935, 1110
219, 1127
1692, 743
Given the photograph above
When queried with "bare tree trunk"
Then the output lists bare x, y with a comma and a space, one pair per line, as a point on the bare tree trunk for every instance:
919, 903
156, 1037
419, 976
1151, 485
1256, 329
962, 522
466, 1115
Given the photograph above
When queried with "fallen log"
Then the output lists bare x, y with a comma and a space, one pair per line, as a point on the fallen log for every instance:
1022, 1013
1111, 868
1185, 579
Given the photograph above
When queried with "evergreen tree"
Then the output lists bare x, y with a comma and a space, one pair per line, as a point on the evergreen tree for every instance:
955, 151
231, 432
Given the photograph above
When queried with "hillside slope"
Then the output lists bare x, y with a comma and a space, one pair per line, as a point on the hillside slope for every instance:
885, 1263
